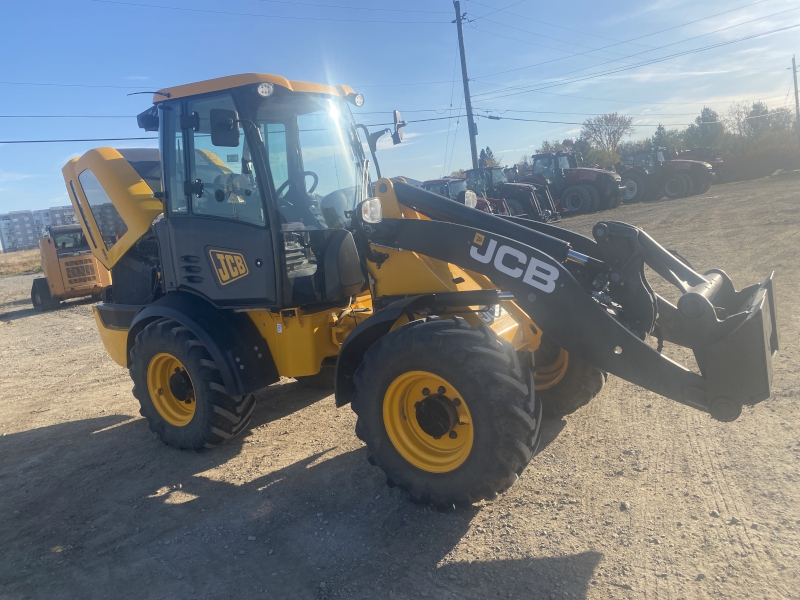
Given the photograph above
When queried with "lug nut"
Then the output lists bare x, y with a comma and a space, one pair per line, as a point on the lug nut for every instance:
425, 392
456, 402
453, 435
160, 391
177, 369
441, 390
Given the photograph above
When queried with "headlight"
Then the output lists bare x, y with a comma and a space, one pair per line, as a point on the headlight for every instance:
371, 210
265, 89
471, 199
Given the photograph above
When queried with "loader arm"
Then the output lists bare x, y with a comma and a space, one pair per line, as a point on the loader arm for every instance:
598, 305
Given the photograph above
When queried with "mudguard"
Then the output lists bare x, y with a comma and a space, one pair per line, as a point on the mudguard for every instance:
363, 336
232, 339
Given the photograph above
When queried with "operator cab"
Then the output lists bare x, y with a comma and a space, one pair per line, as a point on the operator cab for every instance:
551, 165
270, 173
485, 181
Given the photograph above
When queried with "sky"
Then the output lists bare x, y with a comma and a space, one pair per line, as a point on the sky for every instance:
559, 61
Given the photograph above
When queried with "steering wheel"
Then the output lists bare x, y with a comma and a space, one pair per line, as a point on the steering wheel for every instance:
286, 183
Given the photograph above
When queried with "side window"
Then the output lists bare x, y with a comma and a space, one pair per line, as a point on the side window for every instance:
105, 214
224, 177
275, 139
175, 157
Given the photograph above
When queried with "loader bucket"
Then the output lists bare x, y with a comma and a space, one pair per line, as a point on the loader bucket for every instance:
591, 297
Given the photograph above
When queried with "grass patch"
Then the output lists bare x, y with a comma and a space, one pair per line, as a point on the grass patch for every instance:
19, 263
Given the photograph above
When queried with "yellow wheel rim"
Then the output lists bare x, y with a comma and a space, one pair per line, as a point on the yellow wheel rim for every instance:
171, 389
549, 375
428, 421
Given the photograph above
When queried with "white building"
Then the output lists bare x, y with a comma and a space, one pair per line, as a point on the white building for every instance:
21, 229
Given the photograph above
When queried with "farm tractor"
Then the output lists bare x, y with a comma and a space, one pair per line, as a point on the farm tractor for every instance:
70, 269
707, 155
448, 330
528, 200
456, 189
654, 173
576, 189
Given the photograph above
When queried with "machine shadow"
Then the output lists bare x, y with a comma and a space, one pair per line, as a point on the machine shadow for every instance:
102, 505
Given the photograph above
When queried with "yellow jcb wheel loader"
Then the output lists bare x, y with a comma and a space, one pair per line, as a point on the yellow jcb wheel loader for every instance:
254, 248
70, 269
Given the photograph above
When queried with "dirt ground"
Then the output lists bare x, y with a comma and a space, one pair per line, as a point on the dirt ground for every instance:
92, 505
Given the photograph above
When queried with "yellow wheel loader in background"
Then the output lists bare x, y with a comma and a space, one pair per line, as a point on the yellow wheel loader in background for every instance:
253, 249
70, 269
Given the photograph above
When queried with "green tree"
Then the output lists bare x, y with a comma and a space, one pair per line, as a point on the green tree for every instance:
487, 159
705, 131
460, 173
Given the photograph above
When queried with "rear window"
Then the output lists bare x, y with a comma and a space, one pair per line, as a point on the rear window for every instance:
105, 214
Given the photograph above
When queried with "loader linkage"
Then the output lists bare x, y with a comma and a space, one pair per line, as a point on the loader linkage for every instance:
593, 299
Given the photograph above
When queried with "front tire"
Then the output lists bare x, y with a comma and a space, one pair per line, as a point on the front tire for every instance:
674, 187
445, 411
577, 200
634, 189
180, 389
563, 381
689, 184
40, 296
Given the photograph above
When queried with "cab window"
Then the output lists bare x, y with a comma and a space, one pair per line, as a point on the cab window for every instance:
544, 165
563, 162
223, 178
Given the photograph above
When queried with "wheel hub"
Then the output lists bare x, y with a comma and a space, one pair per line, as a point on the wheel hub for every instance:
181, 386
428, 421
436, 415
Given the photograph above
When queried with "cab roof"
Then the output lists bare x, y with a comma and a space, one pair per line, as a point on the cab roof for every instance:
233, 81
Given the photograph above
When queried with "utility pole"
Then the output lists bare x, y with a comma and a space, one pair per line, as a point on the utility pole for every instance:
796, 104
473, 130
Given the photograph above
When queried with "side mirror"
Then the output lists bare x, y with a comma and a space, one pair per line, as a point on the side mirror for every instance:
224, 127
397, 136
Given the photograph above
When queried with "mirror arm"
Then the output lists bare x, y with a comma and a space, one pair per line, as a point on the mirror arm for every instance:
372, 142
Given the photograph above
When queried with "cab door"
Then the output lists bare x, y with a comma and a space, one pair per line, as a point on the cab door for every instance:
216, 223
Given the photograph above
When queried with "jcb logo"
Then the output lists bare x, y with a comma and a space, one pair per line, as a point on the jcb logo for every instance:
229, 266
511, 261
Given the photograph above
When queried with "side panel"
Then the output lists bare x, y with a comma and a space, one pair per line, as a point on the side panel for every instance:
50, 266
114, 340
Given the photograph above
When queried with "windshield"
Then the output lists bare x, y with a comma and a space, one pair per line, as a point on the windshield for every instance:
544, 165
476, 181
563, 162
456, 187
660, 156
498, 176
73, 241
315, 158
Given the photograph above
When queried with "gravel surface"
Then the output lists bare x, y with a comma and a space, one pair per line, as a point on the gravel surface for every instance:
633, 496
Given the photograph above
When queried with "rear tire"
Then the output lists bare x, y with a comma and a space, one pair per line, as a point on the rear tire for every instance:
577, 200
498, 417
214, 417
595, 196
40, 296
674, 187
576, 381
634, 188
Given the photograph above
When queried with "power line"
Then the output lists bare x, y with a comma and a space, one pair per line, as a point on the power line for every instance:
645, 63
67, 116
550, 24
497, 10
83, 140
638, 38
400, 10
79, 85
263, 16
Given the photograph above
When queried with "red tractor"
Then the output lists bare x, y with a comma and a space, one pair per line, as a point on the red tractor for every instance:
456, 189
708, 155
576, 189
528, 200
655, 173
